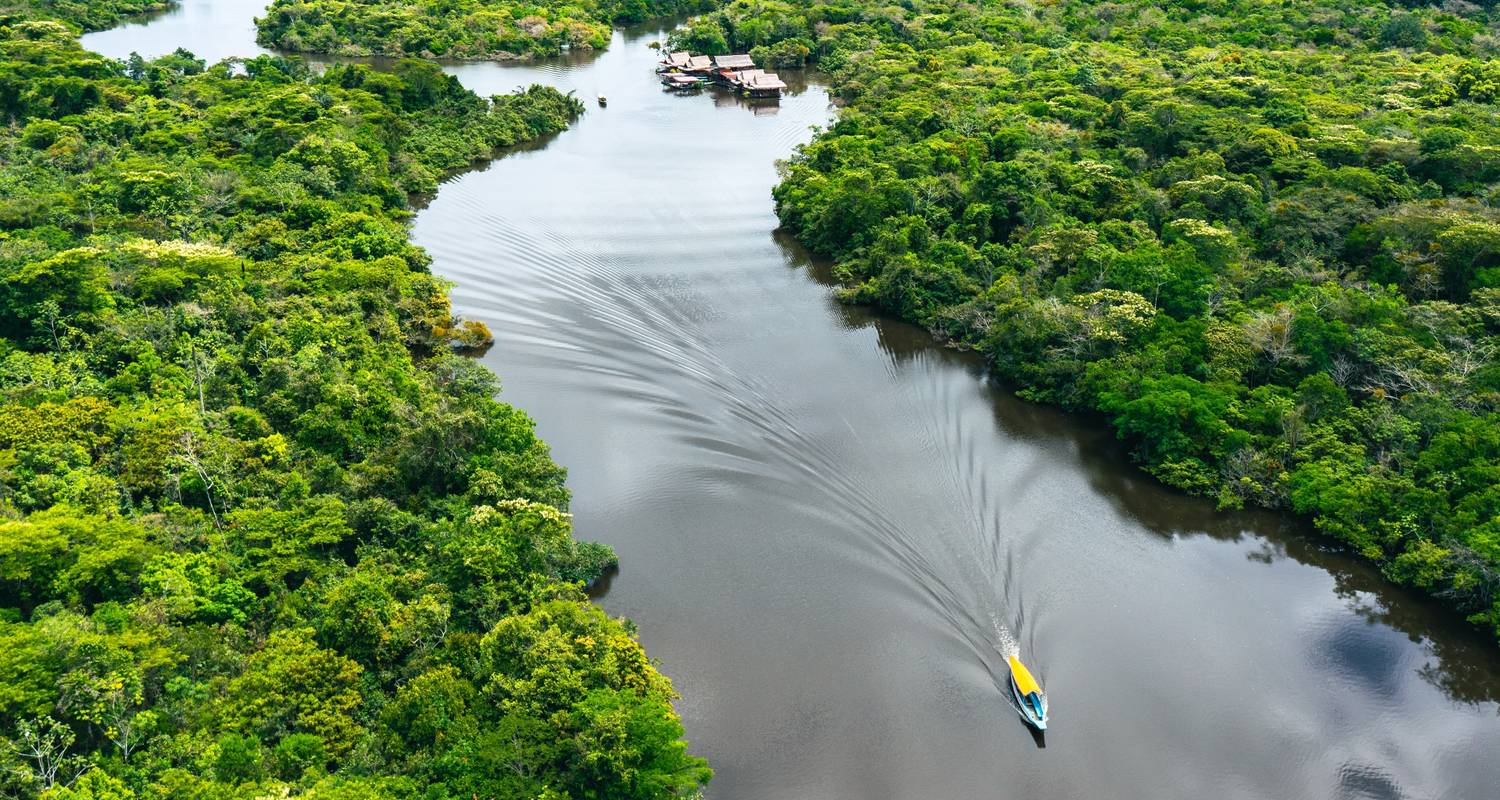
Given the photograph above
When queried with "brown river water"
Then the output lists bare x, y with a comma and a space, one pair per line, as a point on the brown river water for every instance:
829, 528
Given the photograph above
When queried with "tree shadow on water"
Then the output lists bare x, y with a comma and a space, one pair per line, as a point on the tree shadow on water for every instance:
1464, 663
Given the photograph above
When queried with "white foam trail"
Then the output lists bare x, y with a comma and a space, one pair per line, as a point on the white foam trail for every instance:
1005, 642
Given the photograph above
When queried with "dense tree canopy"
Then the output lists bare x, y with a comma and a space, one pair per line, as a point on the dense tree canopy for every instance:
1260, 238
88, 15
467, 29
263, 532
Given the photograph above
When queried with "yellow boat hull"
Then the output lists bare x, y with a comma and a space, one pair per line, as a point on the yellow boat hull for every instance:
1031, 701
1025, 683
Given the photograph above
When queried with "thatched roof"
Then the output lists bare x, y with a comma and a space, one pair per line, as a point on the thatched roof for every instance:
765, 80
734, 62
757, 79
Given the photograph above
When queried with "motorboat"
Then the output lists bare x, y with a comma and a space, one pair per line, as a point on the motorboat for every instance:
603, 101
1031, 701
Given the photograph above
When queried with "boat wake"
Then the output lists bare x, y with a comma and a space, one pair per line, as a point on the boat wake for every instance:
1005, 643
645, 338
991, 613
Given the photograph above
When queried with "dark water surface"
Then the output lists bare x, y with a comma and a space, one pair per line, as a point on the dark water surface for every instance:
828, 528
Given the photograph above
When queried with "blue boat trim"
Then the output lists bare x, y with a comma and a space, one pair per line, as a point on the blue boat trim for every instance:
1032, 706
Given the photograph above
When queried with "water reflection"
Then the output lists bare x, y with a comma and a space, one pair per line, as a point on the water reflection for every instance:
1463, 663
212, 30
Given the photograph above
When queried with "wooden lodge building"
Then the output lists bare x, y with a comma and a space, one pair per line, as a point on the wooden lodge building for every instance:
757, 83
683, 70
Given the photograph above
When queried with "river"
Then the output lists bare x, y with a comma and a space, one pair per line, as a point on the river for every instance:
828, 527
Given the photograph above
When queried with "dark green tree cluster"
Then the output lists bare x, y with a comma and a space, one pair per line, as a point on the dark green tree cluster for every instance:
1259, 239
262, 532
88, 15
460, 29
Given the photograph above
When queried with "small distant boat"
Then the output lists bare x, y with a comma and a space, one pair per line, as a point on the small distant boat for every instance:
1031, 701
603, 101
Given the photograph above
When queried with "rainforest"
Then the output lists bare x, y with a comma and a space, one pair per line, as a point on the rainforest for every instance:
468, 29
1256, 238
1259, 239
270, 528
265, 526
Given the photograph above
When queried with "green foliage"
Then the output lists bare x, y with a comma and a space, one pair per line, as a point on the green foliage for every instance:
635, 750
1261, 240
293, 686
238, 760
262, 531
93, 785
467, 29
92, 15
59, 554
785, 53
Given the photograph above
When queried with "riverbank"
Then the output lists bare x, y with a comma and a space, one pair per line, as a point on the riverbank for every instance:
469, 30
90, 16
265, 531
821, 515
1259, 248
